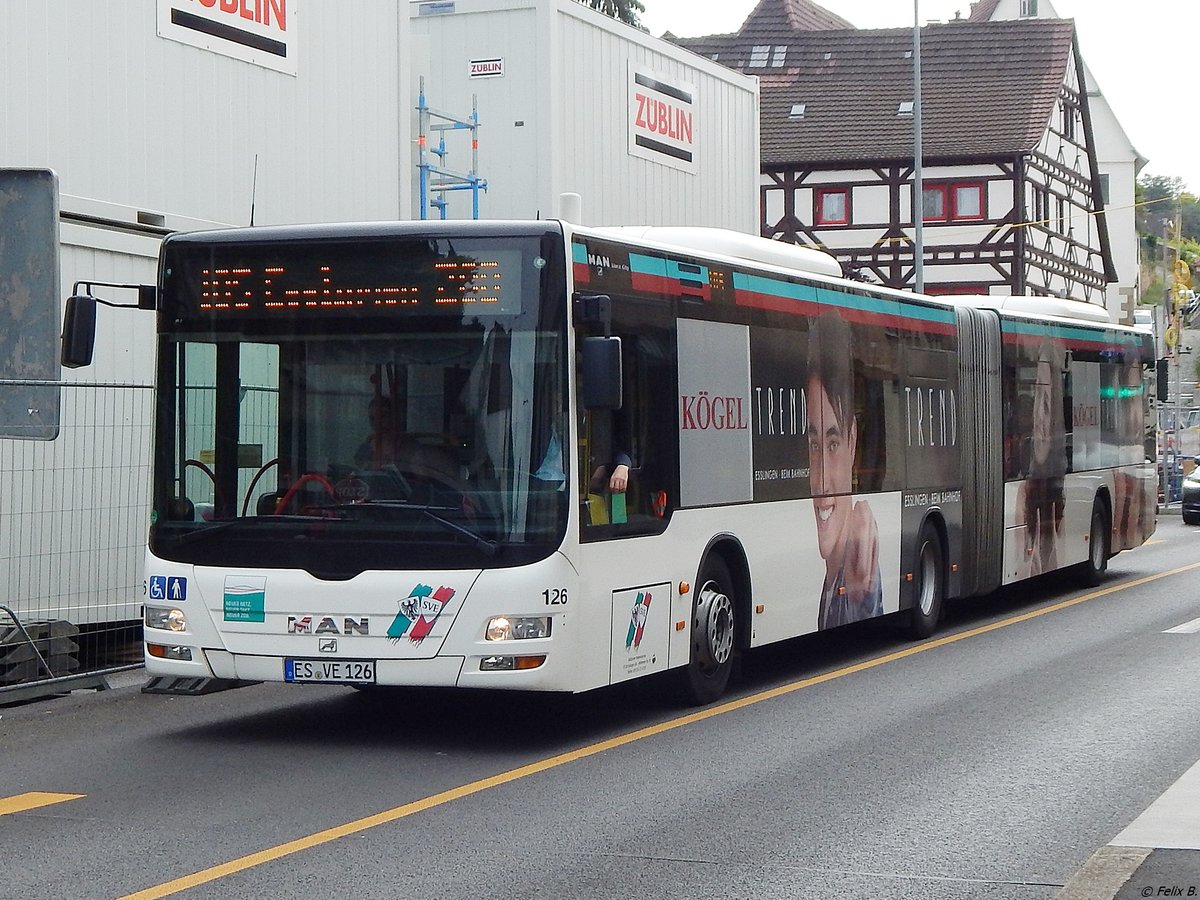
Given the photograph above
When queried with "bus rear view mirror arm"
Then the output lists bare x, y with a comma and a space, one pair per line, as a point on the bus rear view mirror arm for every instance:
79, 321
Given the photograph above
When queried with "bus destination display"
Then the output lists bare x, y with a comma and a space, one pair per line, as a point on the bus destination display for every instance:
350, 284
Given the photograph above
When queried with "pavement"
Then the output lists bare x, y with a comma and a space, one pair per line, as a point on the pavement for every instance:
1156, 856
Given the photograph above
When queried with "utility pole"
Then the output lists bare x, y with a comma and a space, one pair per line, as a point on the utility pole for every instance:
918, 198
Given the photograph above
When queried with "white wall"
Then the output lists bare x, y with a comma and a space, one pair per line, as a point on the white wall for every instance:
90, 90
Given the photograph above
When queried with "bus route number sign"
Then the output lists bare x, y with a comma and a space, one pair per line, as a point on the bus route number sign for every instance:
329, 671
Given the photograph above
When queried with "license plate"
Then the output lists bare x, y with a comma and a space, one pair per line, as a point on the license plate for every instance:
330, 671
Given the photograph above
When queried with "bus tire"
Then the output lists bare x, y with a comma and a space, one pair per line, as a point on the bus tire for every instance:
1093, 568
929, 583
713, 635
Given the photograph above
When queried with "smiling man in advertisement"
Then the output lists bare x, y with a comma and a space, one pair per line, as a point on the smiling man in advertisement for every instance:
847, 533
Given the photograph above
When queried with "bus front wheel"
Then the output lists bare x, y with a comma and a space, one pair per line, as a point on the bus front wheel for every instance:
713, 635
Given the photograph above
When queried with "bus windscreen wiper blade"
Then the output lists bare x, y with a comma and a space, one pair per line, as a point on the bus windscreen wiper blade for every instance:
489, 547
213, 528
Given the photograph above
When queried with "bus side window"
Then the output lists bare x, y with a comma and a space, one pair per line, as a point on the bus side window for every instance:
642, 431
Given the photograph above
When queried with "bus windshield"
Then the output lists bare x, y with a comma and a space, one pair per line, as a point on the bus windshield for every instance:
390, 403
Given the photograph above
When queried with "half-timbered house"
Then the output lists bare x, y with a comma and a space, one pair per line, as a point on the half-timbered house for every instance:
1011, 187
1120, 161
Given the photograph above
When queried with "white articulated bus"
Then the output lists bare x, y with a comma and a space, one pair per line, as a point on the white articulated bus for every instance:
542, 457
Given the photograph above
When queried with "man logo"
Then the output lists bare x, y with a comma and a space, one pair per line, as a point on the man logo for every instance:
327, 625
327, 645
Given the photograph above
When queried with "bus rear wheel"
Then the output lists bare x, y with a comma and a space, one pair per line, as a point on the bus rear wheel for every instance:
714, 619
930, 584
1093, 569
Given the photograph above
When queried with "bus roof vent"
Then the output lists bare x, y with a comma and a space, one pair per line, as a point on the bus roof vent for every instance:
735, 244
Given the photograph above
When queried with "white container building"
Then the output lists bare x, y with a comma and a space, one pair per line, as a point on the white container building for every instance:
573, 101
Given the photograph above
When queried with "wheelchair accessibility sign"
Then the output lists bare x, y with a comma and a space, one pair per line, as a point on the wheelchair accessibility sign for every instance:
172, 588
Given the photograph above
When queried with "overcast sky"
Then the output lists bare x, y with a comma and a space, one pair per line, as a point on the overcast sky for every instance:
1143, 62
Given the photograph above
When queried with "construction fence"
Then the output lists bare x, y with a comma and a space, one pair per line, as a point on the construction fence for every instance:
74, 509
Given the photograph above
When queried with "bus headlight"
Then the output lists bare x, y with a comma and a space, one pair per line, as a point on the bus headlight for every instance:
165, 619
164, 652
517, 628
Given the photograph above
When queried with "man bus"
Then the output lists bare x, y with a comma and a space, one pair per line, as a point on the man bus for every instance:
480, 542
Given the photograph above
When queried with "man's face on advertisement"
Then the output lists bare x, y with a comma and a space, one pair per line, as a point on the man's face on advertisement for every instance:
831, 461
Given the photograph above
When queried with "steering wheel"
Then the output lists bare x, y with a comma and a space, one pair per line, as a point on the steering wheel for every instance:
299, 483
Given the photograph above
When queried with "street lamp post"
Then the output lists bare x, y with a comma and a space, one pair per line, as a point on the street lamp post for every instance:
918, 198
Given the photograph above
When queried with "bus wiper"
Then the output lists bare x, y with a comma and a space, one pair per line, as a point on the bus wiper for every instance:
477, 540
201, 534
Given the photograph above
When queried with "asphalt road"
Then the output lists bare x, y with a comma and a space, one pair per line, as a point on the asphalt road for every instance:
989, 762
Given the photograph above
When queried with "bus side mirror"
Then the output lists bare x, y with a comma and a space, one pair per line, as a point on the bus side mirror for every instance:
601, 373
1162, 381
79, 331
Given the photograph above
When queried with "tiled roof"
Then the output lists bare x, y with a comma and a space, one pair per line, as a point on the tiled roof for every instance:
987, 88
981, 11
771, 17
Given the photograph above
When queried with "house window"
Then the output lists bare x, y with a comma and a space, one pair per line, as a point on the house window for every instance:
958, 201
1104, 188
779, 56
1029, 9
758, 56
832, 206
968, 201
933, 203
1068, 120
956, 287
1040, 213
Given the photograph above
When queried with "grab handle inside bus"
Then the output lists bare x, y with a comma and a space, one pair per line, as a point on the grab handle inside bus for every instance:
601, 373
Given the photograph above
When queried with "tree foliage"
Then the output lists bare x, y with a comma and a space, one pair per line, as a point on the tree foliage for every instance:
1160, 198
626, 11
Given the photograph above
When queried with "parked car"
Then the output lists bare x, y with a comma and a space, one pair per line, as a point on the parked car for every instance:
1190, 495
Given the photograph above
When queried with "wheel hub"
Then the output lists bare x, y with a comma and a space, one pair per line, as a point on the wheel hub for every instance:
713, 625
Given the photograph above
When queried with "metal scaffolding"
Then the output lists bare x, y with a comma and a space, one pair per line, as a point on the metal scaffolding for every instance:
436, 180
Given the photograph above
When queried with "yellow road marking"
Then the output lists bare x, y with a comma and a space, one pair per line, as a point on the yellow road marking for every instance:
400, 812
32, 800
